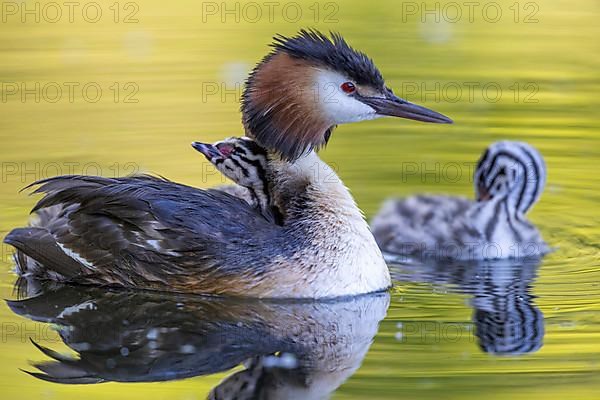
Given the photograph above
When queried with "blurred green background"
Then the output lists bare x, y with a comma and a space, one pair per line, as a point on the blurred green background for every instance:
113, 88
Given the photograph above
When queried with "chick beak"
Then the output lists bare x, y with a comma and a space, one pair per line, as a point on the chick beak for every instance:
208, 150
393, 106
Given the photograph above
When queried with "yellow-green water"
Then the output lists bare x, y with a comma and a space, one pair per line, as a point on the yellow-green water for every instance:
176, 66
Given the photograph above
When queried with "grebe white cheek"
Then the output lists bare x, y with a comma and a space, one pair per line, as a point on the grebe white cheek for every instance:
340, 106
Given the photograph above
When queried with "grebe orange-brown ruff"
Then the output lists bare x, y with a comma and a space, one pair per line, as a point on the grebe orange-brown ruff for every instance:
151, 233
509, 179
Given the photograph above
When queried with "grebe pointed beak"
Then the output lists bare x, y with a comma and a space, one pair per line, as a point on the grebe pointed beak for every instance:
208, 150
393, 106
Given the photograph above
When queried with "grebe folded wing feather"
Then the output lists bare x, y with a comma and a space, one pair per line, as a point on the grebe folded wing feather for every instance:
153, 233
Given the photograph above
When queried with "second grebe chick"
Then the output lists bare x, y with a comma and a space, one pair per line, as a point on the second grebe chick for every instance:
509, 179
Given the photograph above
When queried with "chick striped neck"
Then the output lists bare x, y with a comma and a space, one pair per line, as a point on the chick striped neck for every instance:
509, 179
514, 170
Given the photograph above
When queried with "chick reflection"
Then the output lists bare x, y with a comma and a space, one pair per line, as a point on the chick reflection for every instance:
507, 321
290, 350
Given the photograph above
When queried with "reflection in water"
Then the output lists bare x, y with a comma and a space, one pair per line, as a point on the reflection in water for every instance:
290, 350
506, 319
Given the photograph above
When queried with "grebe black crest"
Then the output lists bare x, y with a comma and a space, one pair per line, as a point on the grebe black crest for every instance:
509, 179
312, 82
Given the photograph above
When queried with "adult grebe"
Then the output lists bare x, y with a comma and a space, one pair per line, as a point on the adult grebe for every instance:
151, 233
509, 179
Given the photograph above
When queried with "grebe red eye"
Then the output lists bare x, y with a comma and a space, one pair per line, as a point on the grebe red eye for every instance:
348, 87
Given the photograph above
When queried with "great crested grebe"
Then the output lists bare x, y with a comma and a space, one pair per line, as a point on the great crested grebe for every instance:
509, 179
151, 233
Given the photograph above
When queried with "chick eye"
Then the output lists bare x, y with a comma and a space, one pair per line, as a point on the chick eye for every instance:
348, 87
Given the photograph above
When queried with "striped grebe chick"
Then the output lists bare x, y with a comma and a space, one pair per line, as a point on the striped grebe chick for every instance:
156, 234
509, 179
246, 163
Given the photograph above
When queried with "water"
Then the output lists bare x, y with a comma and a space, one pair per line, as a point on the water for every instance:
182, 67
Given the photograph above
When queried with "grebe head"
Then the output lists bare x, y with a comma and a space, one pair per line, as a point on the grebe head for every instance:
240, 159
512, 170
310, 83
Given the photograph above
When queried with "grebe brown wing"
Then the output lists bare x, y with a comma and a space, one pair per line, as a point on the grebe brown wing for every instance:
145, 232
